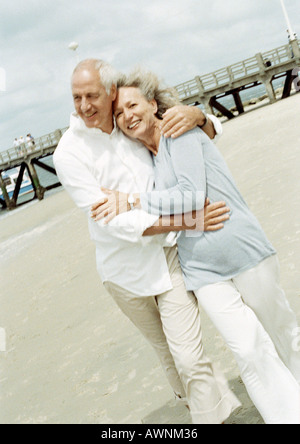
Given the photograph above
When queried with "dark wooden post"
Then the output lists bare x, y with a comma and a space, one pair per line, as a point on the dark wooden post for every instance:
39, 190
8, 202
291, 77
238, 101
18, 184
226, 112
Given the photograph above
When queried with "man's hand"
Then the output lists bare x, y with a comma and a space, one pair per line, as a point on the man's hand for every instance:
109, 207
180, 119
212, 218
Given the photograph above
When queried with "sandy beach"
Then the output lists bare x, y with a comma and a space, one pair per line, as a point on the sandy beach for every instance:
70, 355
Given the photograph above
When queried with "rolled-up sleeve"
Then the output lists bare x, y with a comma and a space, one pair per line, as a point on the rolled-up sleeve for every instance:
218, 126
85, 191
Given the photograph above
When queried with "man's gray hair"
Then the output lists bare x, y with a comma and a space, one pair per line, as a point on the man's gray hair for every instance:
151, 88
109, 76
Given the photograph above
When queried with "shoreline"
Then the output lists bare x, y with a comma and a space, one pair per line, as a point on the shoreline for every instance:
71, 356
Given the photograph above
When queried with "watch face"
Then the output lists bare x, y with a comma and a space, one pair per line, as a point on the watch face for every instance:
131, 200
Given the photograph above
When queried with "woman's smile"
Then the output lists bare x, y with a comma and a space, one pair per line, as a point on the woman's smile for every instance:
134, 125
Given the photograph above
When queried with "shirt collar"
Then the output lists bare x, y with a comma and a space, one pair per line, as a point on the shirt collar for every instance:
78, 125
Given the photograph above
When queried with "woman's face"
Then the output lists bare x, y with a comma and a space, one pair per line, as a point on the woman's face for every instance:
135, 116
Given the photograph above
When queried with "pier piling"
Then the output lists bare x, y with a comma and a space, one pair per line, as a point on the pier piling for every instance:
28, 158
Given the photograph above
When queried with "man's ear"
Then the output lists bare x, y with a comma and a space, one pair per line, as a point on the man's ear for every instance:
113, 92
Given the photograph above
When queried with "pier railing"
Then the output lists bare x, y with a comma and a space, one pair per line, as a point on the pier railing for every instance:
207, 89
241, 70
202, 89
41, 146
28, 156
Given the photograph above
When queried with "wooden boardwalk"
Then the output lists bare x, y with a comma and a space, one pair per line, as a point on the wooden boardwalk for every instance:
44, 146
263, 68
27, 157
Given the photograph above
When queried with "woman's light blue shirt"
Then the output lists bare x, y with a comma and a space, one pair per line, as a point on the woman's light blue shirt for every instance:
187, 170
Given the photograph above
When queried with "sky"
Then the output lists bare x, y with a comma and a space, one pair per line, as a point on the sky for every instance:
178, 39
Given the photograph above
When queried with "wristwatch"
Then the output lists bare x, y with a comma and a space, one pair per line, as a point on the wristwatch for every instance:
131, 201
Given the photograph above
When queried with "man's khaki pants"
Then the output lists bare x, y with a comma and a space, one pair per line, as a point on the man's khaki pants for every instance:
171, 323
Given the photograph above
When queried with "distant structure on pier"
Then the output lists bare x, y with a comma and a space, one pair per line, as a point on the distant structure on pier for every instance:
205, 90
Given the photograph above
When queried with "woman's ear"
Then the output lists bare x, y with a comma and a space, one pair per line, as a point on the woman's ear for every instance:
154, 105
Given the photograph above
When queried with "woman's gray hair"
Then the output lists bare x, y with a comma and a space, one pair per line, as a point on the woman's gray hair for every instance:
151, 88
109, 76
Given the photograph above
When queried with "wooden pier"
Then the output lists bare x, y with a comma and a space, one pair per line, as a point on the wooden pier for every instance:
27, 157
262, 69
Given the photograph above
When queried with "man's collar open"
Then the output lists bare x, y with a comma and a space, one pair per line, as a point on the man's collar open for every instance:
78, 125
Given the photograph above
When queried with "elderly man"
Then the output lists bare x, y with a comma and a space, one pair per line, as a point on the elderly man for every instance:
141, 272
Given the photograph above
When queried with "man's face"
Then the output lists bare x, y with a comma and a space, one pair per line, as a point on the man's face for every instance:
92, 103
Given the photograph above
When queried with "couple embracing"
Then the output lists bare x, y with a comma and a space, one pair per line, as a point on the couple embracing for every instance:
135, 182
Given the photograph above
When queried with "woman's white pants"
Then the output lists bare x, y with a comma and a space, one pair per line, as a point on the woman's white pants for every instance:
253, 315
172, 325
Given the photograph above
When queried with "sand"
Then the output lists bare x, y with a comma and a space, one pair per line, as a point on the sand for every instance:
70, 356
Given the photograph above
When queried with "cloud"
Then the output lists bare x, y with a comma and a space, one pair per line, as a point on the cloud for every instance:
179, 39
2, 80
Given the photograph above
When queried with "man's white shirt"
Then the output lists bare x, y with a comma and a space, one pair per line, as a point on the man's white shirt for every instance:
88, 159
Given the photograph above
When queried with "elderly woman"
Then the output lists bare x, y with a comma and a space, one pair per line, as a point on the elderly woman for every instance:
233, 272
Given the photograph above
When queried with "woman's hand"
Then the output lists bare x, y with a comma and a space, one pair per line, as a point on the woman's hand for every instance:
109, 207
